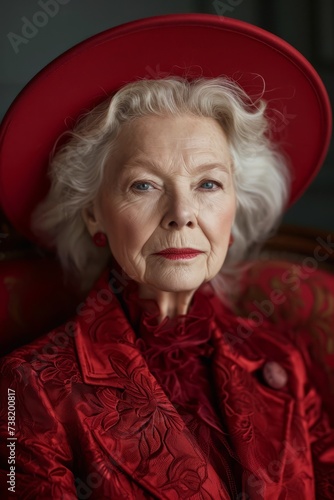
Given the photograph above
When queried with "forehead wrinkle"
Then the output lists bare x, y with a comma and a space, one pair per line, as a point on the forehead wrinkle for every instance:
200, 161
162, 153
148, 164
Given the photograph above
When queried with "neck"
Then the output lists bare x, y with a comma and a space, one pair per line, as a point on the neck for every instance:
170, 303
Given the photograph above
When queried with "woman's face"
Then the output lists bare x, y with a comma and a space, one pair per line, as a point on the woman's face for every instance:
169, 185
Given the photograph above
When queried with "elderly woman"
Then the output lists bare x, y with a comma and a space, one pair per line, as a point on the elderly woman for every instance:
157, 195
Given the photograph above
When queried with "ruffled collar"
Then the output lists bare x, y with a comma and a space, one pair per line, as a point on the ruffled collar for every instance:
145, 314
178, 349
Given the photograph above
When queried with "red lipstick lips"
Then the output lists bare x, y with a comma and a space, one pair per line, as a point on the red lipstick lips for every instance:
179, 253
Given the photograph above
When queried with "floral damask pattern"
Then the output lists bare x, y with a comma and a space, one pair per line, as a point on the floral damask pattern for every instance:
98, 418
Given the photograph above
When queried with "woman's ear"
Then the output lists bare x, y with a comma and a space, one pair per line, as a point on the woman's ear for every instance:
90, 217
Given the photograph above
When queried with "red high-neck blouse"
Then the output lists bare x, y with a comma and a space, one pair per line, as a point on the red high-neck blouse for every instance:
178, 353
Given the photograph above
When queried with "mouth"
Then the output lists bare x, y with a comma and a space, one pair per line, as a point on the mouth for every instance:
179, 253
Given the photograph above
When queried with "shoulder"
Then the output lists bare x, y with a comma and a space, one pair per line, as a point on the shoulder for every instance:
285, 311
54, 352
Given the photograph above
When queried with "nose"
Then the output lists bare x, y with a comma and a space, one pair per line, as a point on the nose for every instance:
180, 213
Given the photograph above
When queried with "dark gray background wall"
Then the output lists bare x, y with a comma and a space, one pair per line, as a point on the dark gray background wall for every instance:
306, 24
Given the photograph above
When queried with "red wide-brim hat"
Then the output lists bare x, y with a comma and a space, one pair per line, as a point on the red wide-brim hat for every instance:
188, 45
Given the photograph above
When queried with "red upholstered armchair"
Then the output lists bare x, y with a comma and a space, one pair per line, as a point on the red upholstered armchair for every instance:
292, 282
33, 296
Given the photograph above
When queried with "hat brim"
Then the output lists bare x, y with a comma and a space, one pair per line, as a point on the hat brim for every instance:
191, 45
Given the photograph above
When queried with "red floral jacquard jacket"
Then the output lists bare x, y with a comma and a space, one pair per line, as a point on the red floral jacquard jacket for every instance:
114, 406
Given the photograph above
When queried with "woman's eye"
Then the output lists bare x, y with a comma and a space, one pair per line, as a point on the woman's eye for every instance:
141, 186
210, 185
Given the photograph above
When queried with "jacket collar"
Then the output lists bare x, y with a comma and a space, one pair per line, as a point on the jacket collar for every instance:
103, 333
109, 357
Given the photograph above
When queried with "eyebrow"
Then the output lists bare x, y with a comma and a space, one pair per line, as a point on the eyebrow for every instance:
221, 167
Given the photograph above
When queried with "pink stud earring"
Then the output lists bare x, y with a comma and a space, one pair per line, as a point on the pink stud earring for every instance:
100, 239
230, 243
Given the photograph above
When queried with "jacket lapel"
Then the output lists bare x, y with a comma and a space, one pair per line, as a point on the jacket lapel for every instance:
129, 414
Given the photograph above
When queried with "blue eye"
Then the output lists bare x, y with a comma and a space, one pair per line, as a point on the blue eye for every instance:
141, 184
210, 182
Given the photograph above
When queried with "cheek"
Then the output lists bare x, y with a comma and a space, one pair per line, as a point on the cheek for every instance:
131, 212
218, 221
128, 229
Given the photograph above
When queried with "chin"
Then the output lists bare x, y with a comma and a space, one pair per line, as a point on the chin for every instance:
177, 282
